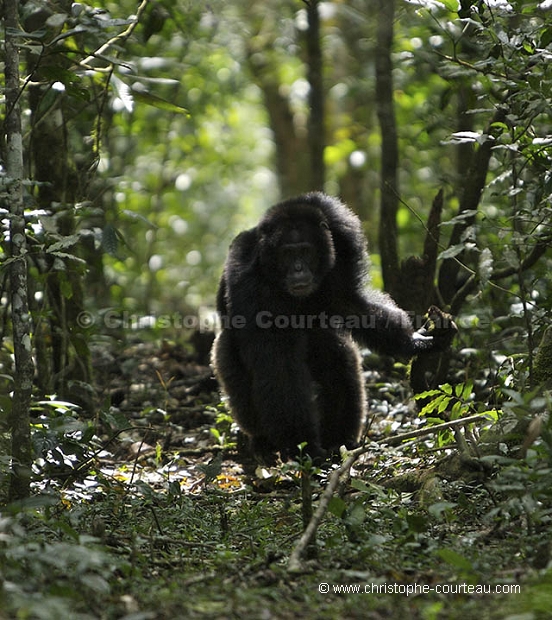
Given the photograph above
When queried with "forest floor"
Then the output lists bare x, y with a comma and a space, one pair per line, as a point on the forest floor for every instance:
158, 516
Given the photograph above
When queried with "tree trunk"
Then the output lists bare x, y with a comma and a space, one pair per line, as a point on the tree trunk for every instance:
21, 324
389, 147
291, 162
316, 129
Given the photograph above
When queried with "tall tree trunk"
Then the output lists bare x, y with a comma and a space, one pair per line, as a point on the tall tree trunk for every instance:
292, 163
316, 129
389, 148
21, 324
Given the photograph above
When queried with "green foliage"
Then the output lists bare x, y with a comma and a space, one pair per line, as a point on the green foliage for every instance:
452, 403
455, 400
61, 441
173, 123
222, 431
50, 570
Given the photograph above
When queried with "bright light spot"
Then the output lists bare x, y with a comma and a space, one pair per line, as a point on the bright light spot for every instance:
339, 91
300, 89
224, 74
499, 4
179, 225
301, 21
425, 174
357, 159
193, 257
436, 40
183, 182
263, 178
103, 164
155, 262
58, 86
327, 10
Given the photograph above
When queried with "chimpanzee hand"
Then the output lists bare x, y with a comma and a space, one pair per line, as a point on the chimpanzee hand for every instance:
440, 327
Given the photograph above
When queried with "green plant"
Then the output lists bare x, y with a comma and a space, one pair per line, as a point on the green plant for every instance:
223, 430
451, 403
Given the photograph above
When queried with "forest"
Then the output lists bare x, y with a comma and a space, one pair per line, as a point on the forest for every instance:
139, 138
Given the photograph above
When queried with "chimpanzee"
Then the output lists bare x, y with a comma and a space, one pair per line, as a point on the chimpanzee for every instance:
293, 299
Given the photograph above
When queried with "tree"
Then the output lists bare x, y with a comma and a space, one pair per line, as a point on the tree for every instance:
12, 199
41, 259
389, 148
317, 96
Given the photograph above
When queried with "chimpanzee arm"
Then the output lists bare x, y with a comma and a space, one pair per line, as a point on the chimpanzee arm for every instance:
386, 328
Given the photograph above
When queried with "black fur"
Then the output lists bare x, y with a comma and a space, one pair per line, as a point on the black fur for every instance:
292, 299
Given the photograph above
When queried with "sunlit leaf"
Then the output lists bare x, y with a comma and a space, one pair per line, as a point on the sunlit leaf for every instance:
485, 265
451, 5
157, 102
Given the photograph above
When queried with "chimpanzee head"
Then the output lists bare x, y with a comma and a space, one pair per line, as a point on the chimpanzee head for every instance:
296, 248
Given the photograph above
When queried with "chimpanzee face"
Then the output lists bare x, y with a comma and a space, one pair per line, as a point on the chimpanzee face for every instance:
296, 253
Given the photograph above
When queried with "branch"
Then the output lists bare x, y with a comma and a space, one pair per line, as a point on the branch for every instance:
342, 473
471, 283
430, 430
294, 564
121, 37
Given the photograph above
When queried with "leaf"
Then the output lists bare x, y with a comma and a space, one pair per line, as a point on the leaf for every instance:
485, 265
337, 506
457, 410
66, 256
355, 515
65, 243
123, 92
443, 405
360, 485
66, 288
464, 137
211, 469
437, 404
416, 523
56, 20
437, 509
461, 217
467, 390
451, 5
492, 414
110, 239
157, 102
115, 419
452, 251
455, 559
138, 216
427, 394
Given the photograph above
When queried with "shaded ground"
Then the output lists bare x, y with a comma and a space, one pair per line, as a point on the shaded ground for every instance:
156, 518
